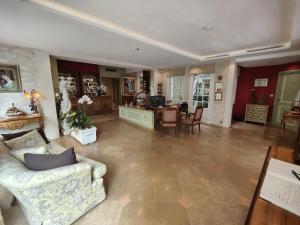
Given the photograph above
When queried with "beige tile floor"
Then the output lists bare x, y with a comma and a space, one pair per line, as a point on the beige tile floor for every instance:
156, 179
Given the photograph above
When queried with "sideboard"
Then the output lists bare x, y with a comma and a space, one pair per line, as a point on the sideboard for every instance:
256, 113
10, 124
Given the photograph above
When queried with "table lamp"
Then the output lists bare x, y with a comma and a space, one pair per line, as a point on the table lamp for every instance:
33, 95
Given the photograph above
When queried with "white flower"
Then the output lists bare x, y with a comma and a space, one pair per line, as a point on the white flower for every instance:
56, 94
89, 102
86, 98
81, 101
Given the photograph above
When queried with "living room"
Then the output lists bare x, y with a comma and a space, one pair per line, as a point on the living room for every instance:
139, 112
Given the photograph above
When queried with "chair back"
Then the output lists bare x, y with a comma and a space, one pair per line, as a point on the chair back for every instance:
198, 114
170, 115
184, 107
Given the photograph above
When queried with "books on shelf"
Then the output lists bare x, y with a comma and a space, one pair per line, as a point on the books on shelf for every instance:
281, 187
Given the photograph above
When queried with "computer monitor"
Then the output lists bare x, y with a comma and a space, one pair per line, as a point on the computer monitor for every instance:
157, 100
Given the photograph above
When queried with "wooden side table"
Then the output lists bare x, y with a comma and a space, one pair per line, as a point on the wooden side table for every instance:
288, 116
14, 123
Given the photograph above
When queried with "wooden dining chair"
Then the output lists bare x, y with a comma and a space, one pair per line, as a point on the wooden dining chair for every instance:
169, 119
194, 119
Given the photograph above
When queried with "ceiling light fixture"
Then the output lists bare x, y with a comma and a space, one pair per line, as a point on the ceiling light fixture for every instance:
208, 27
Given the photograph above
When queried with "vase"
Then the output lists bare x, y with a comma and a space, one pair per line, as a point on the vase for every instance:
86, 136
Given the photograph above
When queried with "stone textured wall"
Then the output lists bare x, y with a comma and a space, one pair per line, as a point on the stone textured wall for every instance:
28, 69
35, 73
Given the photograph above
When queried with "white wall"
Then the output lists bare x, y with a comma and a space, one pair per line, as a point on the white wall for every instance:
221, 110
35, 73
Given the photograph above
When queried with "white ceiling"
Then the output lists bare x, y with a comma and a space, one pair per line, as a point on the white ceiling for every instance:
168, 32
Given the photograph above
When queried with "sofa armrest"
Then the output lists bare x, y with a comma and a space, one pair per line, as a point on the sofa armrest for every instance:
23, 178
98, 169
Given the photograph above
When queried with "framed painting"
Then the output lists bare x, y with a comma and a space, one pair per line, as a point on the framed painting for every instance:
128, 85
261, 82
10, 80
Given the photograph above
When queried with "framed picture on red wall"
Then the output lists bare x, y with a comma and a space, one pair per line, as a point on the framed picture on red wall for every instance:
261, 82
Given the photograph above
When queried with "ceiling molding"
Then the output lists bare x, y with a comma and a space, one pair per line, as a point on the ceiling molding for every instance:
95, 60
98, 22
109, 26
269, 56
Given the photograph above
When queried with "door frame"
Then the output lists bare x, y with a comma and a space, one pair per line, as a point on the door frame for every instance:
278, 87
211, 95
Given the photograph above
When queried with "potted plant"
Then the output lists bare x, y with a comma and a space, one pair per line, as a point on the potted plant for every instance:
80, 124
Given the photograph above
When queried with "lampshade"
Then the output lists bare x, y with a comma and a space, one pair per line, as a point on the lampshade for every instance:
35, 93
27, 94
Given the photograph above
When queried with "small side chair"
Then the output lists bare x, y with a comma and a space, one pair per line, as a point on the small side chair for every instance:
193, 120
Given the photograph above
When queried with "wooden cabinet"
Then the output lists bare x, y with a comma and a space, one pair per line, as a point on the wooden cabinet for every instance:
101, 105
256, 113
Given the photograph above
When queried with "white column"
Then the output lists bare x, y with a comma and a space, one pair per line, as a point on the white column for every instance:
47, 101
230, 93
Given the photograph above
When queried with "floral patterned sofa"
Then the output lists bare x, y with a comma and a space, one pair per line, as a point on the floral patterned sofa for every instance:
57, 196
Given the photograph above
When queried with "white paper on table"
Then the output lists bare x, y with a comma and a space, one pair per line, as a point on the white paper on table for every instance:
281, 187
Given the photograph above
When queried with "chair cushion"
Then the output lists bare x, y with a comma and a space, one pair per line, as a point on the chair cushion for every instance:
19, 153
40, 162
187, 121
31, 139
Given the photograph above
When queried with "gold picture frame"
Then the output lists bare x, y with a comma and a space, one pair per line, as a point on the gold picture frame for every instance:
10, 79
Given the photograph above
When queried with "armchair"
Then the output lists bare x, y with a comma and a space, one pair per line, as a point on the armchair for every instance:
169, 118
57, 196
194, 119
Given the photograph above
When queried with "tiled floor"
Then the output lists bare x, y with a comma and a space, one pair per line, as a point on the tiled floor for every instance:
156, 179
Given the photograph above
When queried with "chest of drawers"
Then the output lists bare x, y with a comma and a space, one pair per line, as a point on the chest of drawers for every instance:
256, 113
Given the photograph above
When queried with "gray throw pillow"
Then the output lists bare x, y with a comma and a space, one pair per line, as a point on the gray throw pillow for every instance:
40, 162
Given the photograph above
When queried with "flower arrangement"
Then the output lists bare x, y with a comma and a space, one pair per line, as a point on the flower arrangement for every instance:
78, 119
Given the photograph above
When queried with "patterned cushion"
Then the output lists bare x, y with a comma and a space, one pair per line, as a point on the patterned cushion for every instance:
31, 139
19, 153
187, 121
3, 147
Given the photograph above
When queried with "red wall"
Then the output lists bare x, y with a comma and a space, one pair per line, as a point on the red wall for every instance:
246, 83
64, 66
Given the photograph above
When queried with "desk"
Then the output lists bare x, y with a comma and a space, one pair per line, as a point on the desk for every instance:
101, 105
286, 117
262, 212
139, 116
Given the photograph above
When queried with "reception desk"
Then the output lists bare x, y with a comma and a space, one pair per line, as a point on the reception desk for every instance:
139, 116
100, 105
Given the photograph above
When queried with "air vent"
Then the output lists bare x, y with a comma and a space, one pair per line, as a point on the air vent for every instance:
216, 56
264, 48
110, 70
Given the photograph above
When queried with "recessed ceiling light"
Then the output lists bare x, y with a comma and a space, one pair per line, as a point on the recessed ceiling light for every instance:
208, 27
57, 50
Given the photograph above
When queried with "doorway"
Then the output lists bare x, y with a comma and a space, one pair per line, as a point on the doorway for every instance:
201, 86
113, 88
287, 86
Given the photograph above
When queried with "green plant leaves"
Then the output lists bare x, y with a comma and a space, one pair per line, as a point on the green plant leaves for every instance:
78, 120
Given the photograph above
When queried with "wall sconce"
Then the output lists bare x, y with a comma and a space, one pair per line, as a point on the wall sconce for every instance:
33, 96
